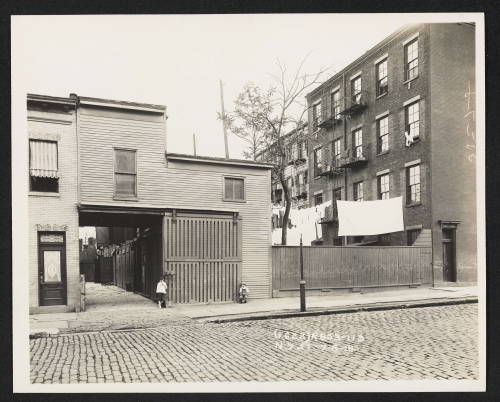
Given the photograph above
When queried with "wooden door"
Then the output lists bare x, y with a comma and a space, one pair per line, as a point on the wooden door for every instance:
449, 260
203, 254
52, 269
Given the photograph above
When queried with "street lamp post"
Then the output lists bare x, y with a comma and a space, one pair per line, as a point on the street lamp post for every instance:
302, 281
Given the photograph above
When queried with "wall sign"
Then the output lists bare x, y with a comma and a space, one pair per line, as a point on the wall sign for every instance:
52, 228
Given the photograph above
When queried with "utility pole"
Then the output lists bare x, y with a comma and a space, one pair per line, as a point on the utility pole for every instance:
194, 144
223, 119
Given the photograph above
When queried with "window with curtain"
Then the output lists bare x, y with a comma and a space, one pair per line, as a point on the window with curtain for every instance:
234, 189
43, 170
125, 173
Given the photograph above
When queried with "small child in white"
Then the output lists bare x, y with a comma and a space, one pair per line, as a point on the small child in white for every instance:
161, 292
243, 293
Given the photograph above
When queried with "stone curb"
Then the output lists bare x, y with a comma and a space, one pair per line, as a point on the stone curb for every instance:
341, 310
51, 332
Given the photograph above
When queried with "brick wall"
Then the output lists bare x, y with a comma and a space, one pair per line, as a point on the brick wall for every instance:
453, 146
60, 210
398, 93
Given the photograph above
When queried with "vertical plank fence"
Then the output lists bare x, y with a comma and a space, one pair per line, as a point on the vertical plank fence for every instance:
351, 267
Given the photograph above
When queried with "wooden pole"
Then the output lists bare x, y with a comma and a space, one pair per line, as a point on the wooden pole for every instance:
194, 144
223, 120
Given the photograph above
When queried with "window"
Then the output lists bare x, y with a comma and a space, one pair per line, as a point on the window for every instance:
357, 143
234, 189
357, 191
318, 163
356, 90
295, 152
125, 173
413, 184
318, 198
383, 134
382, 85
336, 152
412, 117
305, 177
316, 110
300, 150
335, 98
383, 186
43, 170
411, 60
411, 236
337, 193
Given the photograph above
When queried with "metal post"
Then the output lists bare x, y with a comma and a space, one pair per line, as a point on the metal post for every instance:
302, 281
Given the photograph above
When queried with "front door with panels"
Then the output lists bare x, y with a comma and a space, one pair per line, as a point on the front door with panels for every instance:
52, 268
449, 257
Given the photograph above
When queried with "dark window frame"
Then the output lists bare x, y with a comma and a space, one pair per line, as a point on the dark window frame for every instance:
231, 197
355, 144
382, 137
356, 93
411, 64
335, 104
382, 82
413, 190
318, 196
318, 161
356, 187
383, 188
413, 127
124, 173
316, 115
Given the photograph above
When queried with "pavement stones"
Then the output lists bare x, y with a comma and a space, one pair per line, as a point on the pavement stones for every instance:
418, 343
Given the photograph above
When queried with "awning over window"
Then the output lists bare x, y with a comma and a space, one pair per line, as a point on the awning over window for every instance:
43, 159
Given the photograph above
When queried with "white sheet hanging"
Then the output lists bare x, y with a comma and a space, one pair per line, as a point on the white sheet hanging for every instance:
370, 217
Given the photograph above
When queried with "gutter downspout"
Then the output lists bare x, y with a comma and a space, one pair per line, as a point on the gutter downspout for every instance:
77, 105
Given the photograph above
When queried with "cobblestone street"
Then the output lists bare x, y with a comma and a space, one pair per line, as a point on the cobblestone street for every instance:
418, 343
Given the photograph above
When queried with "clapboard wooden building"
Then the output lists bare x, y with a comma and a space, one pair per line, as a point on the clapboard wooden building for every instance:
203, 220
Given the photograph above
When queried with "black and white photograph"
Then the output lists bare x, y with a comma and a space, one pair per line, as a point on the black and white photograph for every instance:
248, 202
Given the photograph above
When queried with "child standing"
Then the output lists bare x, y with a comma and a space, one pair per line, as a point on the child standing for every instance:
161, 292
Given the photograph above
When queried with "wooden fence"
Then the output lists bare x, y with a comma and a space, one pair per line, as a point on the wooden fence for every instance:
351, 267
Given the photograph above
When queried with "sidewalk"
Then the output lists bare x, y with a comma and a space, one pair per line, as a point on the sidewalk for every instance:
130, 311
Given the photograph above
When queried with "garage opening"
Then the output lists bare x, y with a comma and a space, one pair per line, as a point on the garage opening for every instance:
126, 251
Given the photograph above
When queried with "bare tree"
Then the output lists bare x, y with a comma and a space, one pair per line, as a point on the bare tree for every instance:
263, 118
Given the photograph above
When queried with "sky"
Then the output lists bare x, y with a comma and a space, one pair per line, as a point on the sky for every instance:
178, 60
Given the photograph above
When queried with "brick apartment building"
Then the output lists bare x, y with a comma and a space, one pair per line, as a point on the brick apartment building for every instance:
399, 121
104, 163
296, 172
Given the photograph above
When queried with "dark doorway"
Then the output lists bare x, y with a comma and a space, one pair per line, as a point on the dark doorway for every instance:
52, 268
449, 256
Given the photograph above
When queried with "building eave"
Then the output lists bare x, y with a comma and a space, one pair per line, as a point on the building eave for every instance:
217, 161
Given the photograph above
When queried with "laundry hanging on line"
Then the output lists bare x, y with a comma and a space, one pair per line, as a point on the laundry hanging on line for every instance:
304, 221
364, 218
